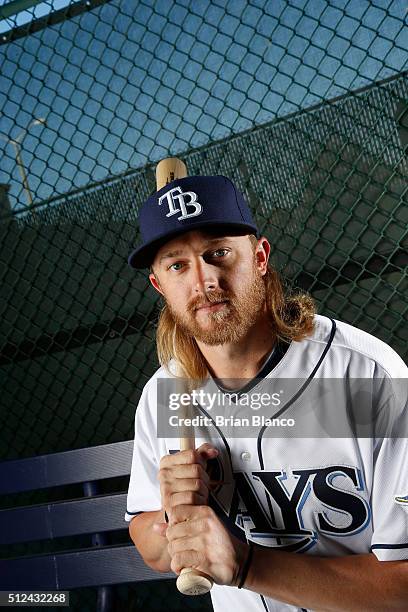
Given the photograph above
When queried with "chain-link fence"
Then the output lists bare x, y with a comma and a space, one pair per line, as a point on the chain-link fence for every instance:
304, 104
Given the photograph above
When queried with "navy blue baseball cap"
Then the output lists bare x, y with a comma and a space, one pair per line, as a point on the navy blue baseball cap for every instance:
187, 204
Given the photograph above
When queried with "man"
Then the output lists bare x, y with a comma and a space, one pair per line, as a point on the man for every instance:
268, 499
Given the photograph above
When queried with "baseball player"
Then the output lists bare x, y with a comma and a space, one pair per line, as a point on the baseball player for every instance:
301, 522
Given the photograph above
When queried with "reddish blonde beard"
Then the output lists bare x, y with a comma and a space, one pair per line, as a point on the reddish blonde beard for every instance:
230, 324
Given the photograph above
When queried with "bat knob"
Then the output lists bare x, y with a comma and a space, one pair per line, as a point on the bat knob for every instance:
193, 582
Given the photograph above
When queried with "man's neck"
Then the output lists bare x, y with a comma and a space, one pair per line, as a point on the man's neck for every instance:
235, 362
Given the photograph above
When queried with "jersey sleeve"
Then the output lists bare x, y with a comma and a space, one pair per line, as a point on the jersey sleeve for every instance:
144, 492
390, 486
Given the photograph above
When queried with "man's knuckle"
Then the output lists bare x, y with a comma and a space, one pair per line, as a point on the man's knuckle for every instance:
203, 488
164, 490
165, 461
203, 475
163, 474
176, 514
177, 560
196, 470
190, 456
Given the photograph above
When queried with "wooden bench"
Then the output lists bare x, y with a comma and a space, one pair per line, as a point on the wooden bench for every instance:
96, 565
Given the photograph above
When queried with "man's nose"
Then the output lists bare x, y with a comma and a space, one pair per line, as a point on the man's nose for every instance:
205, 278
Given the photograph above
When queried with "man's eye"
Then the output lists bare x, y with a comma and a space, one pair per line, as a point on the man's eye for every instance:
220, 252
175, 266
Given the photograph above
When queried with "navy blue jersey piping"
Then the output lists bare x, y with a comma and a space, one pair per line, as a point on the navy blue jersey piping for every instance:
298, 394
264, 603
388, 546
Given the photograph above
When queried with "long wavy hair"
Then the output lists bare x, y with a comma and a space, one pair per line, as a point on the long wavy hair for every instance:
291, 317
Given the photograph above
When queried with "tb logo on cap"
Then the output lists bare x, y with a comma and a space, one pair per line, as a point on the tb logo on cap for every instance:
175, 197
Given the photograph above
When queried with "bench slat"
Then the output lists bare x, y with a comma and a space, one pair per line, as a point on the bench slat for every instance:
74, 569
64, 518
81, 465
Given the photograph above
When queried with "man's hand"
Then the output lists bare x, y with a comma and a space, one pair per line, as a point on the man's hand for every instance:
199, 540
196, 537
183, 478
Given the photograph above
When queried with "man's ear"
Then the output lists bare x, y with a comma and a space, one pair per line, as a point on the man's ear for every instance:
155, 282
262, 252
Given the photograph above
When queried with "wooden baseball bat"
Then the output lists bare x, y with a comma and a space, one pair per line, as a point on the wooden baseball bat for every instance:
190, 581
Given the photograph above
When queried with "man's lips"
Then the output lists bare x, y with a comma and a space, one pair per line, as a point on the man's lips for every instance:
211, 307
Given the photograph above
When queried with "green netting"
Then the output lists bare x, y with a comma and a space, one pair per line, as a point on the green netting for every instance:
304, 104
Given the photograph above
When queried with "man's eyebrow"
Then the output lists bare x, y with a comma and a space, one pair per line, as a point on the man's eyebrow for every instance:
171, 254
217, 239
179, 252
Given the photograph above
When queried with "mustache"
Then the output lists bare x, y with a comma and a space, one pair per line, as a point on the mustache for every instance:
212, 297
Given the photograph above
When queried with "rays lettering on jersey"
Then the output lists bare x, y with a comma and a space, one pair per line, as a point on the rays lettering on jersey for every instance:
272, 515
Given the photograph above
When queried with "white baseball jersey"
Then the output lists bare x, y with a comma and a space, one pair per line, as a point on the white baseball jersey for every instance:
310, 494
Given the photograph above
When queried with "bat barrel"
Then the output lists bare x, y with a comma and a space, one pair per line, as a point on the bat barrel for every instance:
169, 169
